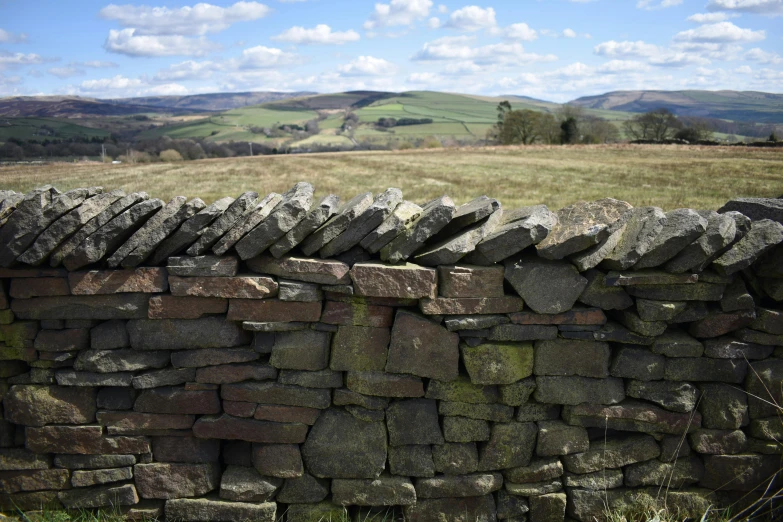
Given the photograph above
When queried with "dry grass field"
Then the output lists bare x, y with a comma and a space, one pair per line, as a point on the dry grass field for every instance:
664, 176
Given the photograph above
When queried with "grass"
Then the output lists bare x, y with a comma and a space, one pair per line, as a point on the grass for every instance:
666, 176
30, 129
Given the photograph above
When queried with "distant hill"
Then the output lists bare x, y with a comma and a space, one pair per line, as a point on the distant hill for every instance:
747, 106
70, 107
219, 101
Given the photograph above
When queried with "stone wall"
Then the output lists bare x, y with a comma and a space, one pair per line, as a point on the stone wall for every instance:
280, 358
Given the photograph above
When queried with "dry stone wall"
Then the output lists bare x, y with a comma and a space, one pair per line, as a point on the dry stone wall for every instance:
283, 358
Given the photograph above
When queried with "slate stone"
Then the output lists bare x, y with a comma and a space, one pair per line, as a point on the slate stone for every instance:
190, 231
683, 226
359, 348
576, 390
347, 213
613, 453
498, 363
679, 397
111, 235
278, 460
452, 249
688, 292
763, 236
384, 384
175, 480
466, 509
412, 461
326, 271
208, 510
164, 377
510, 445
516, 230
634, 237
580, 226
233, 428
223, 223
37, 405
252, 218
70, 339
434, 216
83, 498
731, 348
298, 291
336, 434
343, 397
548, 287
82, 440
421, 347
720, 233
406, 281
66, 226
288, 213
446, 486
93, 461
243, 484
312, 379
203, 266
304, 489
736, 297
274, 393
100, 476
558, 438
174, 307
402, 215
631, 415
107, 361
650, 310
597, 293
273, 310
383, 491
301, 350
237, 287
74, 378
16, 459
182, 334
723, 407
455, 458
756, 208
572, 357
324, 210
718, 442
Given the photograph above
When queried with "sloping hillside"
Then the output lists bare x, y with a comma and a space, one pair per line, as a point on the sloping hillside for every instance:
71, 107
219, 101
750, 106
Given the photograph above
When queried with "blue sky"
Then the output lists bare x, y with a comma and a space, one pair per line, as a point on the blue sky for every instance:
551, 49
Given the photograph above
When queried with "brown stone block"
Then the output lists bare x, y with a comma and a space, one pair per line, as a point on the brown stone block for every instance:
273, 310
173, 307
323, 271
239, 409
357, 314
577, 316
360, 348
34, 480
134, 423
470, 281
37, 405
407, 281
62, 340
82, 440
185, 449
422, 347
230, 373
7, 273
175, 480
238, 287
471, 305
177, 401
100, 307
293, 414
136, 280
43, 287
233, 428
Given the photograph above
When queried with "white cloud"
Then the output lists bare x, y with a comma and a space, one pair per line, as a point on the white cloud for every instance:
197, 20
16, 59
472, 18
626, 49
651, 4
426, 78
118, 82
442, 9
761, 56
320, 34
168, 89
8, 37
678, 60
744, 70
66, 72
708, 18
520, 31
433, 23
368, 66
261, 57
459, 48
188, 70
127, 42
622, 66
720, 32
762, 7
96, 64
398, 12
569, 33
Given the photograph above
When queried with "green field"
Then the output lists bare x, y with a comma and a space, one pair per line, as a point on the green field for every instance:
38, 129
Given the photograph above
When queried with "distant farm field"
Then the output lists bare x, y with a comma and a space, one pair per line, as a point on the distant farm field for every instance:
664, 176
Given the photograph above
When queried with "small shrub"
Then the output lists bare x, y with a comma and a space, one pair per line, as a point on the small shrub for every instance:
170, 155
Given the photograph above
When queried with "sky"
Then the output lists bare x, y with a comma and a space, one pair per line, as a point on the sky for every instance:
555, 50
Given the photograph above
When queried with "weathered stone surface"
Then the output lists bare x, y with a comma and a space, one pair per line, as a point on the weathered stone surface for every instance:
455, 458
301, 350
570, 357
305, 489
597, 293
598, 480
298, 291
404, 213
405, 281
510, 445
247, 222
111, 235
716, 323
718, 442
676, 343
206, 510
382, 491
435, 215
243, 484
326, 271
124, 495
467, 509
185, 449
548, 507
238, 287
444, 249
755, 208
274, 393
612, 453
357, 313
15, 459
33, 480
348, 212
273, 310
104, 307
723, 406
768, 320
683, 472
738, 472
422, 347
683, 226
534, 412
278, 460
359, 348
558, 438
539, 470
286, 215
24, 288
233, 428
413, 421
470, 281
203, 266
108, 361
548, 287
71, 339
412, 461
109, 335
471, 305
576, 390
336, 434
222, 223
82, 440
157, 236
688, 292
100, 476
457, 486
585, 504
705, 369
631, 415
93, 461
74, 378
737, 297
516, 230
633, 322
37, 405
212, 357
674, 396
637, 363
720, 233
462, 429
171, 307
649, 277
190, 231
462, 390
635, 237
325, 209
659, 310
498, 363
177, 401
472, 322
312, 379
384, 384
230, 373
179, 334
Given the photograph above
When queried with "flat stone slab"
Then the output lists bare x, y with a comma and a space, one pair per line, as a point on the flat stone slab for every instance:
98, 282
720, 233
471, 305
548, 287
763, 236
248, 222
756, 208
451, 249
203, 266
683, 226
102, 307
421, 347
237, 287
322, 271
223, 223
209, 510
516, 230
636, 236
434, 216
406, 281
405, 213
325, 209
346, 214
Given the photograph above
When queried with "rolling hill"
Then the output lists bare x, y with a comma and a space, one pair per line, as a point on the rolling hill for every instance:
218, 101
72, 107
745, 106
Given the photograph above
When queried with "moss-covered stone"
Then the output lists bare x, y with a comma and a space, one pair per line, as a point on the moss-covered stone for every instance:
498, 363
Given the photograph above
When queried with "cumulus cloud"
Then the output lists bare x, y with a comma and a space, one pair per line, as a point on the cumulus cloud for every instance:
459, 48
720, 32
652, 4
759, 55
520, 31
127, 42
261, 57
622, 66
472, 18
434, 22
66, 72
320, 34
197, 20
188, 70
8, 37
16, 59
398, 12
96, 64
626, 49
569, 33
368, 66
118, 82
708, 18
425, 78
762, 7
